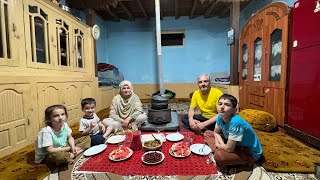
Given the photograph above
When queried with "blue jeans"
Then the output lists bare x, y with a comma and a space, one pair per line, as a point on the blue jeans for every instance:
97, 139
185, 121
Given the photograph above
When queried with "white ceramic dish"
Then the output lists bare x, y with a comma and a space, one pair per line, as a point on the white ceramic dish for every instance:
162, 157
174, 137
95, 150
195, 148
116, 139
129, 155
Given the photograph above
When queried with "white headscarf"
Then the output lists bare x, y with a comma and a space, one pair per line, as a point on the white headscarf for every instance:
128, 83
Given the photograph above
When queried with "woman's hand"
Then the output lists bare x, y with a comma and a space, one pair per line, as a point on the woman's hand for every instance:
103, 128
126, 123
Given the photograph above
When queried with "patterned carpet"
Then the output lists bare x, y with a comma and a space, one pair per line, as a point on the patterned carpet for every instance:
233, 174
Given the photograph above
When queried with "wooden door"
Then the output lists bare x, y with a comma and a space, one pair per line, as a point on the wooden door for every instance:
65, 93
80, 48
257, 63
276, 53
48, 95
38, 34
71, 94
12, 49
16, 128
63, 43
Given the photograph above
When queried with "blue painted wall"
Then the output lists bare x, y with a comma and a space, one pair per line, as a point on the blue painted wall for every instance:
132, 48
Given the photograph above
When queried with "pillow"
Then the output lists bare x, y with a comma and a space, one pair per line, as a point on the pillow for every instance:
260, 120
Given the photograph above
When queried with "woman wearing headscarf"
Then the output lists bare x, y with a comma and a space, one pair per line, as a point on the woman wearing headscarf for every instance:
126, 109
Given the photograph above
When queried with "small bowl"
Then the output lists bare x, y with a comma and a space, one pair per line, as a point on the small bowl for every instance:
151, 148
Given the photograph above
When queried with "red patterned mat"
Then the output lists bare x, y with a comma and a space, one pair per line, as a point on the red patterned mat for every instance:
192, 165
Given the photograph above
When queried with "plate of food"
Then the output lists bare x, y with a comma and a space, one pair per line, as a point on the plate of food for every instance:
116, 139
174, 137
200, 149
152, 157
120, 154
95, 150
179, 150
152, 145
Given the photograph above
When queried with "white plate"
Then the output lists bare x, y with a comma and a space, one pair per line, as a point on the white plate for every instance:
129, 155
116, 139
95, 150
174, 137
195, 148
162, 158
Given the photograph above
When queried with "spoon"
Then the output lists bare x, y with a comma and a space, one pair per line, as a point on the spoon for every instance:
156, 138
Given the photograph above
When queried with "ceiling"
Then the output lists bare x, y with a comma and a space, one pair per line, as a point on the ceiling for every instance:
116, 10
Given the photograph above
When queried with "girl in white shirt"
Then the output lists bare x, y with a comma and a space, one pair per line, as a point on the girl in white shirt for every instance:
55, 143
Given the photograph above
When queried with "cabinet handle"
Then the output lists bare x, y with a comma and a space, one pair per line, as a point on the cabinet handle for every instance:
267, 90
29, 121
52, 40
14, 27
14, 30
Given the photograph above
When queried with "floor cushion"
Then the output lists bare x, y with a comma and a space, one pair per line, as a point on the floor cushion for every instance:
260, 120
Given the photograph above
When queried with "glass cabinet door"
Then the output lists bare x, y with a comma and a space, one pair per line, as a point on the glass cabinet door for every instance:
5, 46
244, 67
79, 48
63, 48
11, 31
275, 55
38, 40
257, 63
39, 35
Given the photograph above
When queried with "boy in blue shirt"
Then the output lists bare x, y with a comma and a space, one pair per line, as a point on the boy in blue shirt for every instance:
238, 144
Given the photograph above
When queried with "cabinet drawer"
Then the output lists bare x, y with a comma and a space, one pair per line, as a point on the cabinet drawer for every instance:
255, 90
256, 100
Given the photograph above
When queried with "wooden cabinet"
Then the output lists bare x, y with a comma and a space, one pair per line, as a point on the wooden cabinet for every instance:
54, 39
263, 61
46, 58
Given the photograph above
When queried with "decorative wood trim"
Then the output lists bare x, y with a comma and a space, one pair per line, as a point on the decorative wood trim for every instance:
258, 24
285, 10
176, 9
195, 2
210, 8
246, 31
131, 17
303, 136
274, 14
142, 9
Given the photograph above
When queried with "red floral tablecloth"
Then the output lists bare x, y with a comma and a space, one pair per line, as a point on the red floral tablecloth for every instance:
192, 165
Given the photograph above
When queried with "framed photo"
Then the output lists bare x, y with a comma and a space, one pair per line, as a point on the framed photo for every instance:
230, 36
